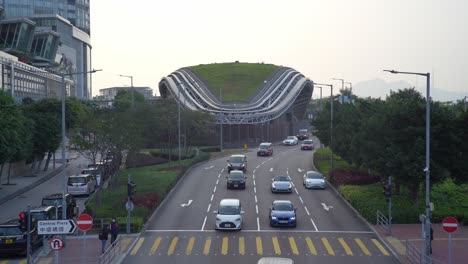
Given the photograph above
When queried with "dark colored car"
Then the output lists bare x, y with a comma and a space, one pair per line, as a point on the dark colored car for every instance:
43, 213
14, 236
237, 162
52, 199
236, 179
265, 149
283, 213
303, 134
307, 144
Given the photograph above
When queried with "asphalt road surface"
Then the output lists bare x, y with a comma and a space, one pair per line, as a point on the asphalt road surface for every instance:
328, 231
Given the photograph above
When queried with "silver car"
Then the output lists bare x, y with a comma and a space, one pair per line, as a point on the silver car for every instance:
281, 183
313, 179
229, 215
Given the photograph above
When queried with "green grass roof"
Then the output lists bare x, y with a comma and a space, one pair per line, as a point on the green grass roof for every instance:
239, 81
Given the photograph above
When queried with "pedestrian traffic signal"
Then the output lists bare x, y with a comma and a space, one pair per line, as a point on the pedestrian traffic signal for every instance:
131, 188
387, 190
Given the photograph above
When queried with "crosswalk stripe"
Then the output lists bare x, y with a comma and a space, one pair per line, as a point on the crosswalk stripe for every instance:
311, 246
155, 245
137, 246
362, 246
172, 246
224, 248
206, 249
276, 245
381, 248
188, 251
241, 245
293, 245
258, 241
345, 247
327, 246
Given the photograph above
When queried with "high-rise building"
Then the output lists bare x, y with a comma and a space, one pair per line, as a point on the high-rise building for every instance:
58, 39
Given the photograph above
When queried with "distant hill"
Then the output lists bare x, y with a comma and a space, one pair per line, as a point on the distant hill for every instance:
380, 88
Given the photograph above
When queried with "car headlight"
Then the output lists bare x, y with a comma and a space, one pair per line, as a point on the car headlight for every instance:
273, 218
243, 165
229, 181
323, 181
289, 186
229, 165
273, 185
237, 219
293, 218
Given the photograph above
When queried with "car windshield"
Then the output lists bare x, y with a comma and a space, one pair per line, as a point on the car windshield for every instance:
314, 175
281, 178
264, 146
229, 210
307, 142
10, 231
303, 131
290, 137
77, 180
236, 175
39, 215
283, 207
52, 201
236, 159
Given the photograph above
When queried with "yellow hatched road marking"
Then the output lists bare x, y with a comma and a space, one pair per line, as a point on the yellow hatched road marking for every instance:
327, 246
345, 246
311, 246
293, 245
137, 246
258, 241
41, 261
155, 245
276, 245
171, 249
4, 262
188, 251
23, 261
206, 249
224, 247
381, 248
363, 248
241, 245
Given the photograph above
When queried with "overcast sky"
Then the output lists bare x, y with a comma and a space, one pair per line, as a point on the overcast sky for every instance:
323, 39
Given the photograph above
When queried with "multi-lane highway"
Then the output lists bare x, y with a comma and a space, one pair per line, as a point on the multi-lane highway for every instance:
328, 231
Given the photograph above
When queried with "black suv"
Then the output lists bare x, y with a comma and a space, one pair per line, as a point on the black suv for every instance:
14, 237
237, 162
52, 199
236, 179
43, 213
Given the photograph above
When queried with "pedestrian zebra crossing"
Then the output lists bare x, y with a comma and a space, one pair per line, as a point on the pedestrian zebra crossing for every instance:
242, 245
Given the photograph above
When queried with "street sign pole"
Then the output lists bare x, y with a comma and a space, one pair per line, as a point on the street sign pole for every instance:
84, 248
450, 248
450, 225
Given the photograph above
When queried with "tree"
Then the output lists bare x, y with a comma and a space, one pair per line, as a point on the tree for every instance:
123, 99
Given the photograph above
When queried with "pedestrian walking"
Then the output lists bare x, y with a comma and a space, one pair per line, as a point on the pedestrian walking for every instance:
114, 230
103, 236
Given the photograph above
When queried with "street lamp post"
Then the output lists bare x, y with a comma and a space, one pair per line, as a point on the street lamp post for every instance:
426, 169
350, 86
132, 88
331, 122
320, 87
342, 82
221, 120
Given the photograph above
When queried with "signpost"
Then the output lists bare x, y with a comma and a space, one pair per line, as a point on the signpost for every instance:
56, 227
450, 225
84, 223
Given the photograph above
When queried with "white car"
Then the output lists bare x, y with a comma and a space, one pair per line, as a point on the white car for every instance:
290, 140
81, 184
229, 215
313, 179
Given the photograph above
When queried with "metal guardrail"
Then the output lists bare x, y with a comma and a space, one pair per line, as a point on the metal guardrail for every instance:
112, 253
382, 222
415, 255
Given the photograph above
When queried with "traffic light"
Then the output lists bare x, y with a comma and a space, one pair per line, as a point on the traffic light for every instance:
131, 188
387, 190
23, 222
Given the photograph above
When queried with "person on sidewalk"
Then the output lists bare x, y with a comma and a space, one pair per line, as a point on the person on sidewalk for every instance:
103, 236
114, 230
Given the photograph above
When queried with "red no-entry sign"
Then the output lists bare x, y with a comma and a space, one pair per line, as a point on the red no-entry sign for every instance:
84, 222
450, 224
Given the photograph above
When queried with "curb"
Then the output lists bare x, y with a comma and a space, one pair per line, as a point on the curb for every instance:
31, 186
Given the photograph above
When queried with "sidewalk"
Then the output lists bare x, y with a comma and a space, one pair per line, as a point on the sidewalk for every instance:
401, 233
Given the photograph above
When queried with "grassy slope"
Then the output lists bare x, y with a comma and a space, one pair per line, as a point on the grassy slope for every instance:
239, 81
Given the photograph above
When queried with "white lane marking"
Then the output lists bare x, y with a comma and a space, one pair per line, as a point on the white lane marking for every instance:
203, 226
296, 191
212, 197
256, 199
214, 190
316, 229
217, 181
253, 176
219, 175
254, 182
271, 169
208, 210
256, 208
222, 170
307, 211
326, 207
254, 171
263, 162
302, 201
258, 166
184, 204
255, 189
210, 167
258, 224
299, 170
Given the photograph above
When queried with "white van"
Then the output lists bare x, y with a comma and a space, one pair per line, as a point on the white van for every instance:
273, 260
83, 184
229, 215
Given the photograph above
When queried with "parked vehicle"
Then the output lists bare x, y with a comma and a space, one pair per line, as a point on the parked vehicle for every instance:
265, 149
57, 198
290, 140
14, 237
83, 184
303, 134
229, 215
313, 179
47, 212
237, 162
282, 213
96, 172
236, 179
281, 183
307, 144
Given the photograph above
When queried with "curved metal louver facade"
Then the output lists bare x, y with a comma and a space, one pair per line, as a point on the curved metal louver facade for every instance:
286, 93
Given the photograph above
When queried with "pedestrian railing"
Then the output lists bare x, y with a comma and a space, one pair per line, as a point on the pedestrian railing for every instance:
113, 252
416, 256
382, 222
